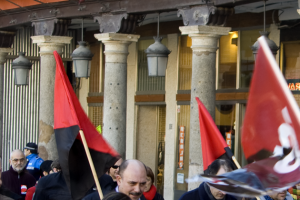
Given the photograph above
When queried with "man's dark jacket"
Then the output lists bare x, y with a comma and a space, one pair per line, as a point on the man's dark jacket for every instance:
107, 185
202, 193
13, 181
7, 194
52, 187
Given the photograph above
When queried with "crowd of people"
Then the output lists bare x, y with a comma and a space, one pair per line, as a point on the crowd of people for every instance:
31, 178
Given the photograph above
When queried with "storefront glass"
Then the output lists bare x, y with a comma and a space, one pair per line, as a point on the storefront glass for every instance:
228, 61
248, 38
225, 121
185, 63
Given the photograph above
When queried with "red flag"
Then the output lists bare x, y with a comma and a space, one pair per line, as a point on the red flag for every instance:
69, 118
272, 116
213, 143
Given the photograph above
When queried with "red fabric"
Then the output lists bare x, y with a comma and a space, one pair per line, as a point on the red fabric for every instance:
151, 193
30, 193
212, 142
269, 96
68, 111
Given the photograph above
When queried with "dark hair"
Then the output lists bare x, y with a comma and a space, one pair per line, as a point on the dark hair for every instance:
45, 167
124, 165
55, 164
116, 196
150, 173
215, 166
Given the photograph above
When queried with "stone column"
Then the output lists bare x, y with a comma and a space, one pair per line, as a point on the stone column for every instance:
171, 83
204, 44
115, 88
3, 53
48, 44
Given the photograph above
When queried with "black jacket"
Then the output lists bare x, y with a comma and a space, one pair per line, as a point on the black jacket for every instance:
13, 181
201, 193
7, 194
52, 187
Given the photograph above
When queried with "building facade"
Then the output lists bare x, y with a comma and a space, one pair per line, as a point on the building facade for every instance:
142, 116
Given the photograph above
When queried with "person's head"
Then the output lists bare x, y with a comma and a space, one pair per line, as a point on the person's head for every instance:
132, 178
114, 170
149, 179
218, 167
278, 195
30, 148
45, 167
17, 160
55, 167
116, 196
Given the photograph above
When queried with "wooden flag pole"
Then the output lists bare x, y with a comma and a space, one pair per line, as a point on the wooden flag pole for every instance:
87, 151
236, 162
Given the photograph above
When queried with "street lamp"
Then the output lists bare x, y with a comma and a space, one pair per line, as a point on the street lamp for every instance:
157, 56
274, 48
21, 67
82, 57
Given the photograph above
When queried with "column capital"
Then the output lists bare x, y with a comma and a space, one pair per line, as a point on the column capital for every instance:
48, 44
51, 39
3, 54
205, 30
116, 37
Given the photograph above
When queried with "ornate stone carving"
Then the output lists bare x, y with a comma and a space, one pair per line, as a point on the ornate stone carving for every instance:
204, 15
51, 27
6, 39
118, 23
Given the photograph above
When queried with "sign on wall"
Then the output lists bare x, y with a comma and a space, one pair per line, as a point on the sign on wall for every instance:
181, 147
294, 85
228, 138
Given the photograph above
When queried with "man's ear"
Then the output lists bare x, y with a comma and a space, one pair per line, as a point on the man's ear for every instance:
10, 161
119, 179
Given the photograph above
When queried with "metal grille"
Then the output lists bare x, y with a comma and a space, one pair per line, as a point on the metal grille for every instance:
21, 103
185, 64
145, 82
162, 125
96, 115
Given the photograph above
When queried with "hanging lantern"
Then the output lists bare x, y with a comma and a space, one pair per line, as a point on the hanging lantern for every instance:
157, 56
21, 67
82, 57
273, 47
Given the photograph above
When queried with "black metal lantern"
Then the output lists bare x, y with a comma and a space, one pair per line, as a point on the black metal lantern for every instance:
273, 47
21, 67
82, 57
157, 56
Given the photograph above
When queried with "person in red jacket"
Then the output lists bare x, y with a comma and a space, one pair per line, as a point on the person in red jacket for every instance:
150, 190
17, 179
45, 169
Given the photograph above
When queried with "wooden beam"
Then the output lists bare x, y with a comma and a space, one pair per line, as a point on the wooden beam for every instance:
95, 99
232, 96
150, 98
219, 96
183, 97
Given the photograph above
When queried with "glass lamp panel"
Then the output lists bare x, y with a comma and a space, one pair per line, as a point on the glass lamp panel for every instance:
162, 66
152, 66
81, 68
21, 76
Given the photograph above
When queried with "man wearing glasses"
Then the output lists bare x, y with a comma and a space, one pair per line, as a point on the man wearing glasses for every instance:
17, 179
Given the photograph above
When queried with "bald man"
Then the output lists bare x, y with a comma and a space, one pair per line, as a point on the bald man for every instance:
17, 179
131, 181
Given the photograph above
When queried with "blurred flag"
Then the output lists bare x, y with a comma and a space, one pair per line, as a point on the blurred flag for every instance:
212, 142
69, 118
271, 128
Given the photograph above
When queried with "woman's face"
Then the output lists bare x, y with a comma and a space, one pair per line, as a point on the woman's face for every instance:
148, 184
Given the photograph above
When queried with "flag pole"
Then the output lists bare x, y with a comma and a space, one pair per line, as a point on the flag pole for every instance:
236, 162
87, 151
